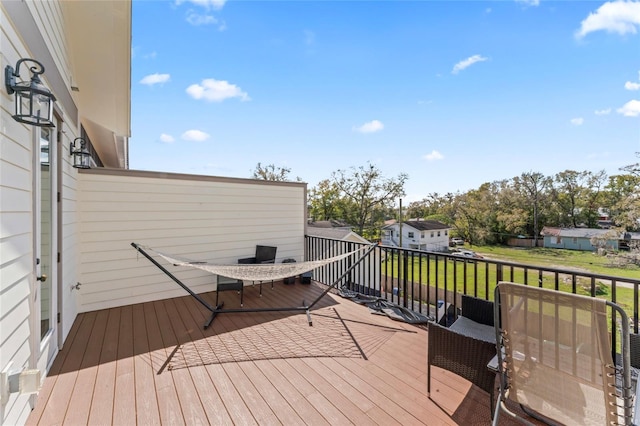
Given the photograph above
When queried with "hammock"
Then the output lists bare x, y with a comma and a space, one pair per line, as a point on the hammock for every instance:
255, 272
262, 272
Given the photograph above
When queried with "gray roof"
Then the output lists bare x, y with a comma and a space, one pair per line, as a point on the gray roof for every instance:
586, 233
334, 233
426, 225
583, 232
421, 225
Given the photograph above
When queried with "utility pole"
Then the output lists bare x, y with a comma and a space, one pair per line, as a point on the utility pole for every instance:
400, 221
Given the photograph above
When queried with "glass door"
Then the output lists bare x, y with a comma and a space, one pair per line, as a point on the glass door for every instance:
45, 232
46, 261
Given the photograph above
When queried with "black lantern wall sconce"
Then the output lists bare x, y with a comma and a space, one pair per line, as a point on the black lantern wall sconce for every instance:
34, 102
81, 155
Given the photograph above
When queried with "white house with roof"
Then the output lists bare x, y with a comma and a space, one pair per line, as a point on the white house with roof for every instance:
66, 231
428, 235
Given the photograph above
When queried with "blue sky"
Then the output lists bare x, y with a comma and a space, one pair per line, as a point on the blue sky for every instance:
453, 93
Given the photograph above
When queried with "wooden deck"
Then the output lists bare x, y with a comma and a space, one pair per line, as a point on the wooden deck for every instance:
153, 363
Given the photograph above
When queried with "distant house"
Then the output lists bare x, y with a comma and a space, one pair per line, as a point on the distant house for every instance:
429, 235
335, 231
580, 238
604, 220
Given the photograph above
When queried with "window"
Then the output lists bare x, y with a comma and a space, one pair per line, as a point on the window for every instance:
438, 233
422, 234
431, 234
410, 234
446, 232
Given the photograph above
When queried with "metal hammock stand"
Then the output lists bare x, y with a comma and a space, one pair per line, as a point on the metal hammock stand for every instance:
218, 309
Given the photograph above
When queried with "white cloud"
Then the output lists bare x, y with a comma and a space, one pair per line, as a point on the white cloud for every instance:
213, 90
467, 63
629, 85
156, 78
619, 17
577, 121
195, 135
370, 127
196, 19
529, 2
603, 111
433, 156
166, 138
215, 4
630, 109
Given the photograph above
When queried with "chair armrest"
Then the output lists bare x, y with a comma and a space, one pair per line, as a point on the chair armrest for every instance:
636, 405
268, 261
247, 260
478, 310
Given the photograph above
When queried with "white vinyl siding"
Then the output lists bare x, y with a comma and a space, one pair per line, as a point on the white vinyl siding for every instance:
68, 233
33, 29
16, 233
198, 218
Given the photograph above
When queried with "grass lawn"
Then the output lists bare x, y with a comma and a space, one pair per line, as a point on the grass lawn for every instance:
558, 258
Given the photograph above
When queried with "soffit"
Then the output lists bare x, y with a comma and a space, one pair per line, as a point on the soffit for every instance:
99, 39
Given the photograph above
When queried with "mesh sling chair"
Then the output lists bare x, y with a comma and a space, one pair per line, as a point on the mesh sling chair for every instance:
555, 358
466, 347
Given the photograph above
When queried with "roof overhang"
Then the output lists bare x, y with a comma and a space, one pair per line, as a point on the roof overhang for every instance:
99, 40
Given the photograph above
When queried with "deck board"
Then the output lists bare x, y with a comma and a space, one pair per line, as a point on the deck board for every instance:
167, 399
104, 390
147, 411
154, 363
80, 403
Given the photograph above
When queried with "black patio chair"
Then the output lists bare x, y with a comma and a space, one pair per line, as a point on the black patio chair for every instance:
466, 347
264, 254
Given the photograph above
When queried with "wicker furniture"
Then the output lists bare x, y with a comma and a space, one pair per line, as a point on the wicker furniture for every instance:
467, 346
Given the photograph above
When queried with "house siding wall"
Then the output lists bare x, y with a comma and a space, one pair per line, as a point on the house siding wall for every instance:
428, 243
575, 243
195, 217
29, 30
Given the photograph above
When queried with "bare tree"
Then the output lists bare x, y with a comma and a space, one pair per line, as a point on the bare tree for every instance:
367, 189
533, 186
271, 172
